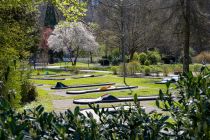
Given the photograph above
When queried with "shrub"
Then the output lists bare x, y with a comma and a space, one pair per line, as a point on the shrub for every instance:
115, 53
28, 92
104, 62
147, 71
127, 58
114, 69
154, 57
135, 57
120, 69
190, 112
115, 61
178, 69
165, 70
133, 67
147, 63
109, 57
142, 58
156, 70
37, 72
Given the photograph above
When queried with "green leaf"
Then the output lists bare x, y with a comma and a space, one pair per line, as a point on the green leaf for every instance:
157, 103
135, 99
161, 94
76, 111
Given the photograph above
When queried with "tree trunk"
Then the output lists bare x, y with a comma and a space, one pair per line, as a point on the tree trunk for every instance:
186, 38
74, 63
91, 57
123, 43
76, 56
131, 55
34, 60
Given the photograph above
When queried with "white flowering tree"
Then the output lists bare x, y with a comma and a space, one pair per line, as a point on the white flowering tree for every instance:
72, 38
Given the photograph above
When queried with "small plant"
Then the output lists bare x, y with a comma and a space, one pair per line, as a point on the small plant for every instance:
121, 69
135, 57
147, 71
165, 70
133, 67
28, 92
142, 58
154, 57
38, 73
178, 69
156, 70
115, 61
114, 69
147, 63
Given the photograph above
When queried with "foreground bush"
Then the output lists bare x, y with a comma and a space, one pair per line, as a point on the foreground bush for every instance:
191, 112
28, 92
188, 117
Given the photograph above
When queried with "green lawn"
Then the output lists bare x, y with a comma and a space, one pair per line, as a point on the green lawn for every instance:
146, 87
44, 99
79, 64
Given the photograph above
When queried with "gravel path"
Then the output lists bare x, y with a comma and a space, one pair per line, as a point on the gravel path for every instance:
62, 105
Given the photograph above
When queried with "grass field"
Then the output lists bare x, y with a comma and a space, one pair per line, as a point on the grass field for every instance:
145, 85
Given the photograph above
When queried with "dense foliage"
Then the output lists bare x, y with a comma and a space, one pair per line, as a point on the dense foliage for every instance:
187, 118
19, 37
191, 112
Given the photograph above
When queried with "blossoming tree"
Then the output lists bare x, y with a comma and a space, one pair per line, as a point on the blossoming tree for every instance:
72, 38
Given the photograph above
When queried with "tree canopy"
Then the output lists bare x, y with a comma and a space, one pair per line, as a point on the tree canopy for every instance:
20, 35
72, 38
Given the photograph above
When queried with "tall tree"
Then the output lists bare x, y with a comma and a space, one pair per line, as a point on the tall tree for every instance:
19, 36
190, 21
129, 20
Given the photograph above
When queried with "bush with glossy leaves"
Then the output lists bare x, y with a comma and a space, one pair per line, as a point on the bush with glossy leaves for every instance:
190, 112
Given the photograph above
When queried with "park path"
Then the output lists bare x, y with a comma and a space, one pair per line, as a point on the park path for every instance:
63, 105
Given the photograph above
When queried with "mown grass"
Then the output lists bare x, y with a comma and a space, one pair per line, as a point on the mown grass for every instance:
79, 64
45, 99
146, 87
153, 68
